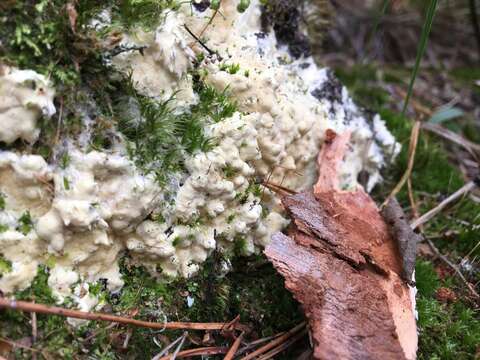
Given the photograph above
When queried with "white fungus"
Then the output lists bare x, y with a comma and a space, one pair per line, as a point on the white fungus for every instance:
24, 97
86, 213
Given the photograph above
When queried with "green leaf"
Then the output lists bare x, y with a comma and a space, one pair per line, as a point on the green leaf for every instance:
446, 114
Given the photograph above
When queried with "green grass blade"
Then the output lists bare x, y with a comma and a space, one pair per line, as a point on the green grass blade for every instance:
427, 26
377, 22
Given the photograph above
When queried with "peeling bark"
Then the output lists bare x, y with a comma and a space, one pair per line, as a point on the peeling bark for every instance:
341, 263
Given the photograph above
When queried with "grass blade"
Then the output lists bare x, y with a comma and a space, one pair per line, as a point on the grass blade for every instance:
427, 26
377, 22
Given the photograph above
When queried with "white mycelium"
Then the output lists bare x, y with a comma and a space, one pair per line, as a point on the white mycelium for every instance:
86, 213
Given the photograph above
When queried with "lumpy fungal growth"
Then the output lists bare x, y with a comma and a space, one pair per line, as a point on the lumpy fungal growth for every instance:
166, 162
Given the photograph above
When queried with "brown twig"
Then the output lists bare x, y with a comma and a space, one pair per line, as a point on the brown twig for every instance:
177, 350
278, 189
233, 349
453, 267
276, 342
411, 198
437, 209
14, 344
34, 333
54, 310
167, 348
212, 350
211, 19
255, 343
412, 148
471, 147
283, 346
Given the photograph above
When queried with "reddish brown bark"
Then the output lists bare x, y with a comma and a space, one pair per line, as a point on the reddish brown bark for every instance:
342, 265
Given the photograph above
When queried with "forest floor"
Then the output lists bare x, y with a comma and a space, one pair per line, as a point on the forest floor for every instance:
449, 319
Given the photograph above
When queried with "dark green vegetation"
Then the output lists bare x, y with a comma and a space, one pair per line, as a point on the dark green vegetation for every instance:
252, 290
41, 36
54, 38
448, 330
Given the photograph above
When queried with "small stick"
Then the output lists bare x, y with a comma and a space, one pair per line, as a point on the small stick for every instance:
455, 196
54, 310
213, 350
454, 268
411, 198
412, 148
279, 189
471, 147
59, 122
168, 347
258, 342
198, 40
233, 350
282, 347
275, 342
34, 333
211, 19
177, 350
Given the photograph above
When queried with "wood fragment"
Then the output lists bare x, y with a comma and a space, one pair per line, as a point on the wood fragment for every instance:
233, 349
342, 264
54, 310
403, 234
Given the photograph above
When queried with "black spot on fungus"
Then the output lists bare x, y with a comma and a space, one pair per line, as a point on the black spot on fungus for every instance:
284, 17
202, 5
330, 90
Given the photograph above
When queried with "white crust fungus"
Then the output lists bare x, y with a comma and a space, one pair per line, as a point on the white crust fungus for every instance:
98, 205
24, 97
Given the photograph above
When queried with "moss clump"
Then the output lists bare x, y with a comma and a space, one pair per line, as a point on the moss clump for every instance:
252, 290
446, 331
159, 138
5, 266
25, 224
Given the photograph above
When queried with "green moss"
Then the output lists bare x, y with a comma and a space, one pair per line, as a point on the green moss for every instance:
160, 138
447, 332
145, 14
229, 171
25, 224
230, 68
177, 241
2, 202
240, 246
426, 278
5, 266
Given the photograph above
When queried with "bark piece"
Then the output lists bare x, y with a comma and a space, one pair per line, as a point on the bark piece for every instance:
406, 238
342, 265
